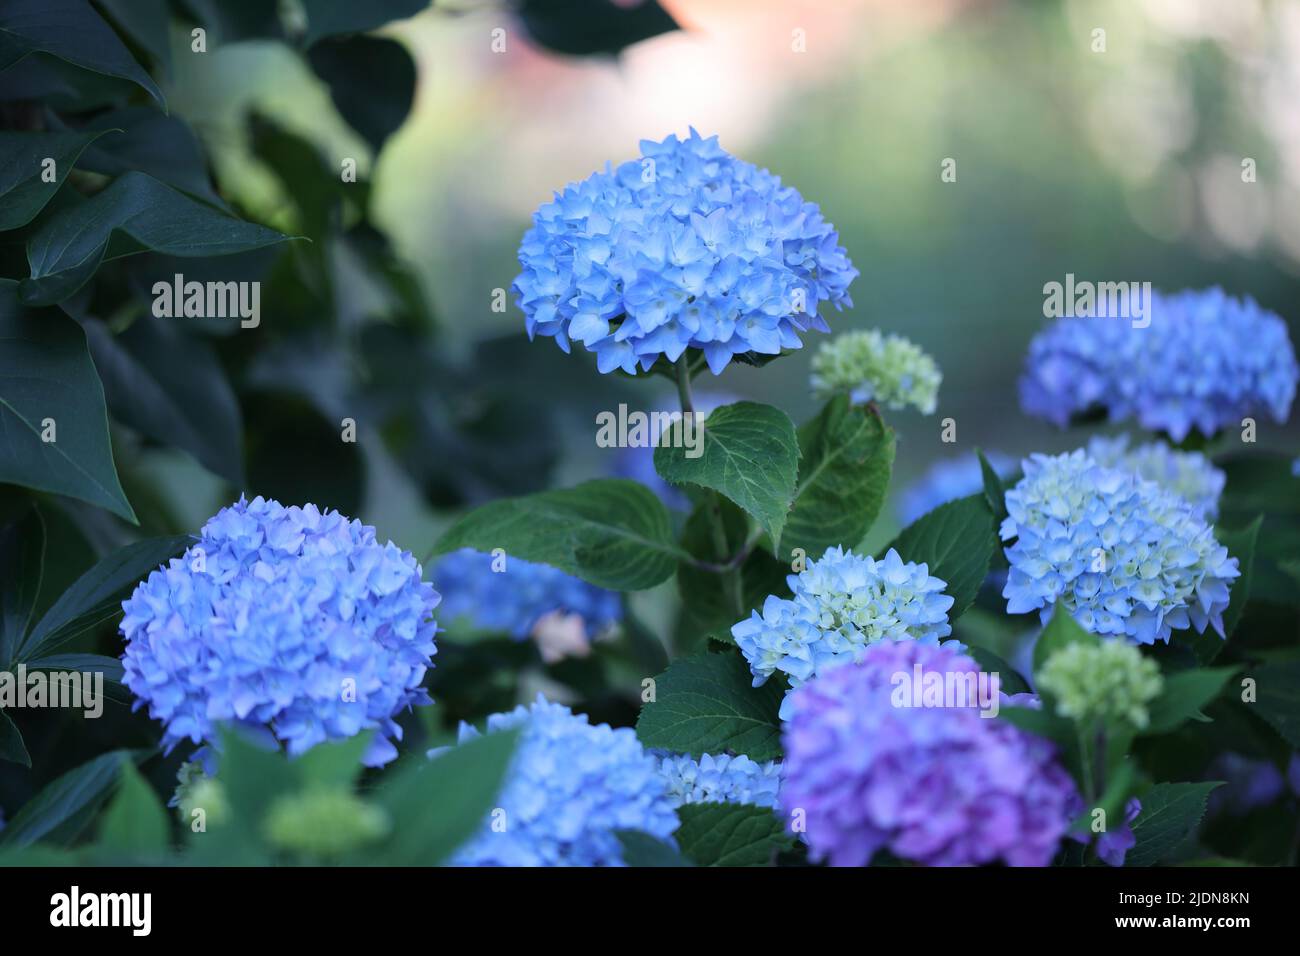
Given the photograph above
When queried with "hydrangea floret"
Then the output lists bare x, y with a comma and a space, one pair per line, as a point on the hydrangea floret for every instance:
872, 367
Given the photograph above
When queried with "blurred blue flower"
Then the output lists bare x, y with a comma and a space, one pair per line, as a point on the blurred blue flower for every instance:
687, 247
720, 779
295, 624
1206, 361
946, 481
1125, 556
842, 603
570, 787
936, 785
512, 600
1188, 474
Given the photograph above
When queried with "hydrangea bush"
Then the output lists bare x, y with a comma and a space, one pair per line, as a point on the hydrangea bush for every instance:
710, 655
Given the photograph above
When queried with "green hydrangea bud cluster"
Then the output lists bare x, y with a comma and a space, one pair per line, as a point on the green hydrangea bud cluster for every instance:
1109, 681
324, 822
195, 790
872, 367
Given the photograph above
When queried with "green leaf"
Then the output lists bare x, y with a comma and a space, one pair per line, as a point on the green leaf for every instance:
143, 139
12, 747
599, 26
1061, 630
1008, 680
135, 823
110, 667
46, 376
335, 763
371, 81
731, 834
1170, 815
97, 595
331, 17
995, 492
611, 532
750, 454
1240, 545
1278, 698
22, 566
707, 704
60, 811
846, 456
170, 387
23, 191
135, 213
641, 849
1184, 695
71, 31
956, 540
438, 805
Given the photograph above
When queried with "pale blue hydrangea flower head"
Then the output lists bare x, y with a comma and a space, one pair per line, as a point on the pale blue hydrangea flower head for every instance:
872, 367
570, 787
1188, 474
947, 480
936, 785
1125, 556
293, 623
842, 604
1206, 361
685, 248
720, 779
512, 600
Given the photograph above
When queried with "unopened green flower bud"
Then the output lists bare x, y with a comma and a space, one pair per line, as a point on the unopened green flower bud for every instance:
871, 367
1110, 681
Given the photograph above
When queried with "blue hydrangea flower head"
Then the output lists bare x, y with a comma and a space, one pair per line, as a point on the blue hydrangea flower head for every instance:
947, 480
1125, 556
513, 599
685, 248
293, 623
872, 367
1188, 474
1205, 361
570, 787
842, 603
936, 785
720, 779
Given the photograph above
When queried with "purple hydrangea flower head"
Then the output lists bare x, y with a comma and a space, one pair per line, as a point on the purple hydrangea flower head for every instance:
720, 779
1125, 556
293, 623
685, 248
1188, 474
570, 787
1249, 783
937, 785
513, 599
842, 604
1205, 361
947, 480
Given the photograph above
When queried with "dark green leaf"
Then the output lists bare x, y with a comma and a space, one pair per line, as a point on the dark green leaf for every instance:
707, 704
750, 454
612, 532
1008, 680
731, 834
170, 387
46, 376
23, 191
141, 138
956, 541
22, 564
98, 593
12, 747
1184, 695
331, 17
1277, 689
60, 811
110, 667
597, 26
146, 22
1061, 630
846, 456
135, 823
72, 31
371, 80
439, 804
641, 849
135, 213
1170, 814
